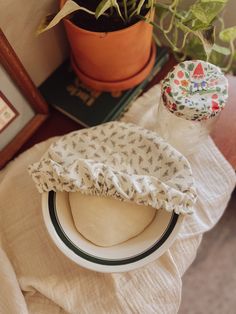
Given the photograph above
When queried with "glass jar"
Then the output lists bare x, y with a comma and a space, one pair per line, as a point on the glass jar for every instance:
192, 96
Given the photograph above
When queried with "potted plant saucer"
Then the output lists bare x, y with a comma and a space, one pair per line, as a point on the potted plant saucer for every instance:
111, 41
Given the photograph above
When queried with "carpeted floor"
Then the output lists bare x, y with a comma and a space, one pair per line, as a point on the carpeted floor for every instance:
209, 285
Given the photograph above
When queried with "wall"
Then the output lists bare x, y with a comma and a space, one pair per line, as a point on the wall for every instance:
41, 54
230, 14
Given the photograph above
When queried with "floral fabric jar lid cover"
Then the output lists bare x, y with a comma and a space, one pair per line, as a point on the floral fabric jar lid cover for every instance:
195, 90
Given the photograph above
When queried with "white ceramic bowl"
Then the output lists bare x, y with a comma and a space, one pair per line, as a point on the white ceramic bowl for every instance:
134, 253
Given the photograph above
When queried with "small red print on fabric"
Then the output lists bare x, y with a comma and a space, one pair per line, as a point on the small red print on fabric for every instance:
215, 105
184, 83
180, 74
198, 72
168, 90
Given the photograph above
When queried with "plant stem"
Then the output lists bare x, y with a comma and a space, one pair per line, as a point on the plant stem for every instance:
180, 59
166, 37
184, 41
172, 17
221, 22
156, 39
175, 36
125, 10
167, 7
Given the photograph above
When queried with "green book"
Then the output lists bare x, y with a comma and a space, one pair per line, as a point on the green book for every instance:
65, 92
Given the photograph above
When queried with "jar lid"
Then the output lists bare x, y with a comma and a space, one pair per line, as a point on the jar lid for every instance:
195, 90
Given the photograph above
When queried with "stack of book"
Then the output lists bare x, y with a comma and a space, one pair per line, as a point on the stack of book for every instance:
65, 92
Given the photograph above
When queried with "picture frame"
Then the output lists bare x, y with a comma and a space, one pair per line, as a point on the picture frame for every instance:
24, 113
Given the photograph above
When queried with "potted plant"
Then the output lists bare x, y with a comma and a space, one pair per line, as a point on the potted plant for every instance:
111, 41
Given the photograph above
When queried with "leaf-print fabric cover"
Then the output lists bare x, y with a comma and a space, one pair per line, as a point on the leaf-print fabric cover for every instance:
120, 160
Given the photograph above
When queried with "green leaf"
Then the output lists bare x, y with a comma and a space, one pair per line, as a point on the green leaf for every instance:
103, 6
140, 5
207, 10
191, 67
197, 25
228, 34
138, 8
199, 13
52, 20
150, 4
195, 49
220, 49
183, 27
217, 58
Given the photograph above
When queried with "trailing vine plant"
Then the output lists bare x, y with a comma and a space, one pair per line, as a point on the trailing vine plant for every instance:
196, 32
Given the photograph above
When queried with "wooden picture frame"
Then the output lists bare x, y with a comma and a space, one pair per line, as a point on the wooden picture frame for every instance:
22, 83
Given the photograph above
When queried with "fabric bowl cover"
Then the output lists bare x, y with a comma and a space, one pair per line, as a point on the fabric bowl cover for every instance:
120, 160
195, 90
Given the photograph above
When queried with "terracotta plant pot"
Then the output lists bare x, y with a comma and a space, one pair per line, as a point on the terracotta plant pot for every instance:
112, 61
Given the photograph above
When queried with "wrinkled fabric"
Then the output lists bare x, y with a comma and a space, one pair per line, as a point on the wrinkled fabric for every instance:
35, 277
121, 160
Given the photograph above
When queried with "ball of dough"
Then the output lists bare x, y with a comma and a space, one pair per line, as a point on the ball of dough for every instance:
106, 221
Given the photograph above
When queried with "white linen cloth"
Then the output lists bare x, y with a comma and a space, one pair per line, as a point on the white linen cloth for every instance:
35, 277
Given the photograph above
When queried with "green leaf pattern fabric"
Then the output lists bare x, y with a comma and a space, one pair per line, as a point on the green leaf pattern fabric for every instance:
120, 160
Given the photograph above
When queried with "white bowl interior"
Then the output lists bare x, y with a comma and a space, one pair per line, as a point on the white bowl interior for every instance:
123, 250
155, 233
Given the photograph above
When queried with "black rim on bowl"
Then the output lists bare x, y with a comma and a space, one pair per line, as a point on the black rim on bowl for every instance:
97, 260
